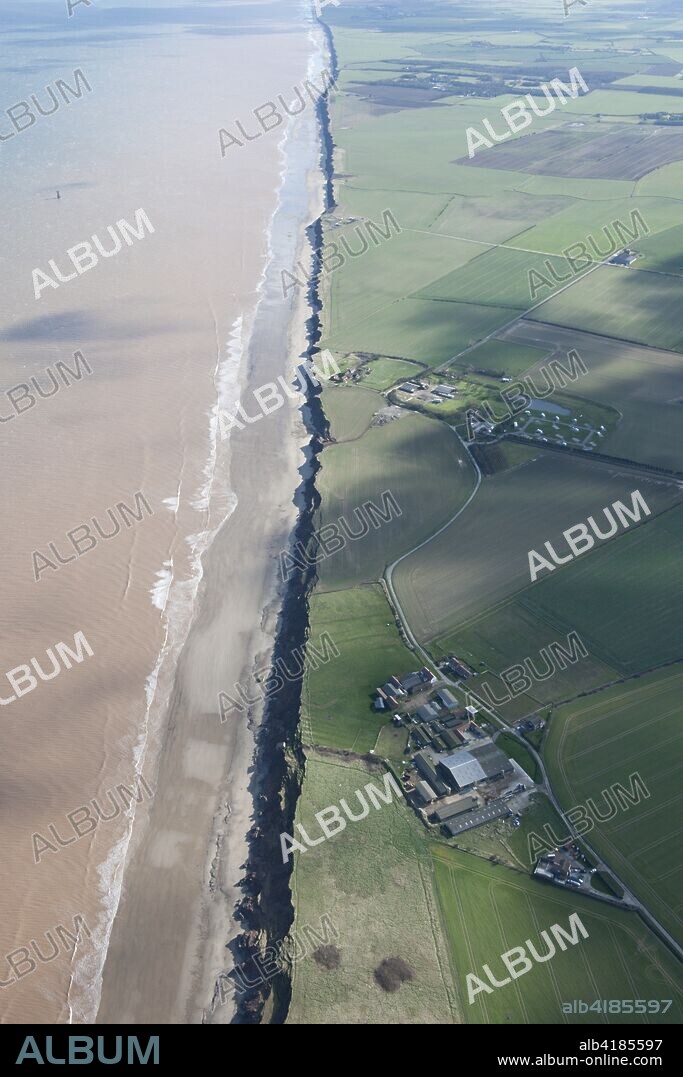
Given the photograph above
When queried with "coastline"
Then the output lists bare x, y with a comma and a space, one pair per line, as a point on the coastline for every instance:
192, 742
158, 338
266, 909
260, 910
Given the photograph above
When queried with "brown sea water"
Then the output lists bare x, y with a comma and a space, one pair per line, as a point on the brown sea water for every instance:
163, 326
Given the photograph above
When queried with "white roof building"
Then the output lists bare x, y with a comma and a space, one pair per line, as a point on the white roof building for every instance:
463, 768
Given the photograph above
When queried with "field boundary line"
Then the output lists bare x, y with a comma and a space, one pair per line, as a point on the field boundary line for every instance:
527, 587
549, 966
655, 689
653, 958
389, 570
505, 938
435, 919
594, 332
632, 871
618, 736
647, 814
465, 934
550, 893
519, 317
631, 758
624, 965
507, 246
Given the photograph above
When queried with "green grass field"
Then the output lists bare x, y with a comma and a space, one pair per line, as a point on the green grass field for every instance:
634, 728
587, 190
611, 103
498, 278
424, 468
503, 358
337, 697
381, 374
664, 181
644, 384
488, 910
424, 330
610, 223
505, 455
621, 601
482, 559
664, 82
617, 302
374, 881
392, 743
507, 635
663, 252
411, 136
487, 218
387, 272
350, 410
445, 290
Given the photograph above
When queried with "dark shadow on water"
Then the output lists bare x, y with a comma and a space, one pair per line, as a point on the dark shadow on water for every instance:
79, 325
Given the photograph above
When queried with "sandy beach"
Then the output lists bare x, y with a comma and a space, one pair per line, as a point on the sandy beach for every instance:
172, 878
180, 604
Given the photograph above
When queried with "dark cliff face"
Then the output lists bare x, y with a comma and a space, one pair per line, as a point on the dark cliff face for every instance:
265, 910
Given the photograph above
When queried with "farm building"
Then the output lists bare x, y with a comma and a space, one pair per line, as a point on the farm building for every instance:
390, 693
413, 682
446, 699
397, 688
458, 807
461, 770
457, 667
470, 820
427, 713
624, 258
479, 426
453, 738
425, 764
458, 729
458, 717
493, 762
466, 767
425, 792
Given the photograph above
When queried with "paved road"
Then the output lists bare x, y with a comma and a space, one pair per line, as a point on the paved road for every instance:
389, 571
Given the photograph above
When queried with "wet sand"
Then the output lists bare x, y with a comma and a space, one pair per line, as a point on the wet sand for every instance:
179, 891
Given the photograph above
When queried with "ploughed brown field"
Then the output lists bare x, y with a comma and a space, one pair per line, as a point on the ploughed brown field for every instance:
620, 151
